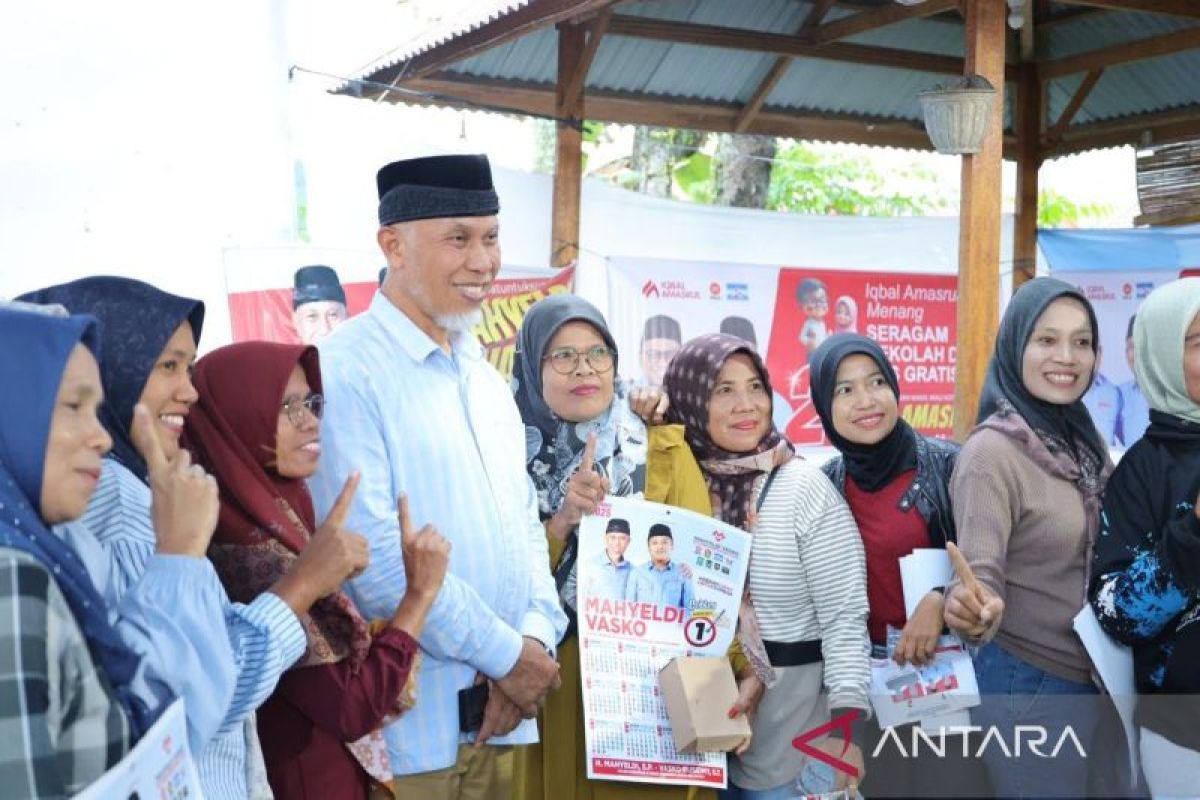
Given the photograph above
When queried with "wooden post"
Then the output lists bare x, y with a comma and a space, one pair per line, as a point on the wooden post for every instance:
1029, 161
979, 218
568, 156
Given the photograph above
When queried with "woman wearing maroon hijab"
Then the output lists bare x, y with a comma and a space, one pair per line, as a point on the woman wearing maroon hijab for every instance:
256, 427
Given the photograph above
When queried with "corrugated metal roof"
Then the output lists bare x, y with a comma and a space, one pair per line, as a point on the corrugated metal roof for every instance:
667, 70
472, 14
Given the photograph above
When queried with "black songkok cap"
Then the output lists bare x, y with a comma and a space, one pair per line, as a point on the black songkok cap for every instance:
660, 326
618, 525
436, 186
659, 529
740, 327
315, 284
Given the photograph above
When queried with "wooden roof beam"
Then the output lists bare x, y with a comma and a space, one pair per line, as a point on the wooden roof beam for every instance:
879, 18
504, 28
1056, 131
1178, 8
573, 91
1126, 53
815, 14
664, 112
784, 45
1158, 128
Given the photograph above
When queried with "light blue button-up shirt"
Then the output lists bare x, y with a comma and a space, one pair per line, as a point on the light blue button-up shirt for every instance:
664, 587
1135, 413
609, 581
1103, 401
444, 429
254, 642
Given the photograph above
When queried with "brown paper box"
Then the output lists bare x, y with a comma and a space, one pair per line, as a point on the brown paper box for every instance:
698, 692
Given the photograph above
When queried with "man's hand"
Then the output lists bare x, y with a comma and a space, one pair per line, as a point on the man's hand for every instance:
332, 556
750, 693
585, 490
971, 608
918, 642
184, 499
650, 403
533, 676
500, 716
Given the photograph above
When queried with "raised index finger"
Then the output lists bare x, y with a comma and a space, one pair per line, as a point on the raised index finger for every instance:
146, 439
402, 513
962, 568
589, 453
341, 506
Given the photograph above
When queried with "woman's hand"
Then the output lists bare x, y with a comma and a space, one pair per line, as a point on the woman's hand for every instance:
426, 559
750, 694
650, 403
331, 556
585, 490
918, 641
972, 610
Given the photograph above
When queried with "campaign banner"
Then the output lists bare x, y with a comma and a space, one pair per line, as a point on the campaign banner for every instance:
160, 765
504, 309
262, 308
655, 305
655, 582
1116, 404
913, 317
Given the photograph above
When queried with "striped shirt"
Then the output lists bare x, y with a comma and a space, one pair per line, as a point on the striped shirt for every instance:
60, 725
265, 637
808, 578
443, 428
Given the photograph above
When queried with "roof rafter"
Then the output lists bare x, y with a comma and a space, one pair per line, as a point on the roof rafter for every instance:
539, 99
1126, 53
784, 45
1179, 8
879, 18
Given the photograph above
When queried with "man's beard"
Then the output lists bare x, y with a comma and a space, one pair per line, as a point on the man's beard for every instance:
456, 323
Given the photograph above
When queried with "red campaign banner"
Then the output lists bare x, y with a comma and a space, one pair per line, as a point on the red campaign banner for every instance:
267, 314
913, 317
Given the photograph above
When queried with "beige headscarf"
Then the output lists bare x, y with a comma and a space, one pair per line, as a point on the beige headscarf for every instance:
1158, 347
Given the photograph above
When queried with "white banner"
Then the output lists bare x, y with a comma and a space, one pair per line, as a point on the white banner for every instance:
1116, 404
160, 766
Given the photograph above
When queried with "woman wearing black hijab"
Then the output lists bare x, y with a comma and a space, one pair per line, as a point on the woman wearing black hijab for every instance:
1026, 492
896, 483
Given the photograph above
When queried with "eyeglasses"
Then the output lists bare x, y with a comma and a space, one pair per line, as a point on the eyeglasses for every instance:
565, 360
295, 407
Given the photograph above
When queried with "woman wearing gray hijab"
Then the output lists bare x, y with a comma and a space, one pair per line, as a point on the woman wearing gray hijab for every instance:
1146, 567
582, 442
1026, 495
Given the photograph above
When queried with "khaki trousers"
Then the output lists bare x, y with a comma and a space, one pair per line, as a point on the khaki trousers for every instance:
483, 774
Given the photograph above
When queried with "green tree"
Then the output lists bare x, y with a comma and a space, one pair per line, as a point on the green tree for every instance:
1059, 211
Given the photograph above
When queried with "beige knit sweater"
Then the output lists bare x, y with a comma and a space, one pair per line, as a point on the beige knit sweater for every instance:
1024, 534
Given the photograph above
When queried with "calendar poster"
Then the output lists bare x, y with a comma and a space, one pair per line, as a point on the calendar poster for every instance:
655, 582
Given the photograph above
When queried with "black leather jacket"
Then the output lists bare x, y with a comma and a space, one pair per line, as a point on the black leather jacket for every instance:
930, 491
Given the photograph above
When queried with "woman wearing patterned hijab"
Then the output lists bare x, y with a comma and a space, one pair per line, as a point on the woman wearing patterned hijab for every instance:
1026, 495
583, 442
1146, 566
807, 578
256, 427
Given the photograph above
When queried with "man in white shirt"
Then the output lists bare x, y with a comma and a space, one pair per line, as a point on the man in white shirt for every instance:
415, 407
